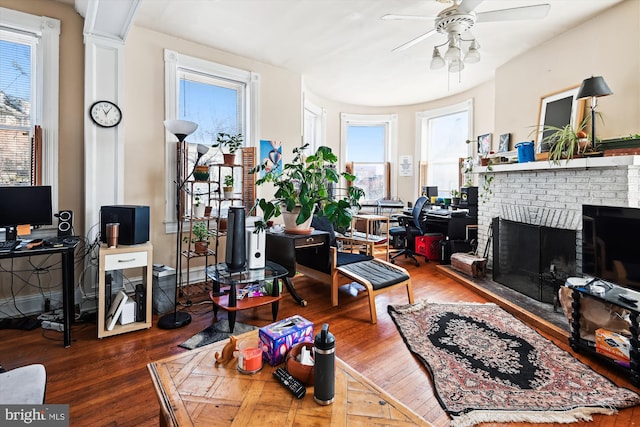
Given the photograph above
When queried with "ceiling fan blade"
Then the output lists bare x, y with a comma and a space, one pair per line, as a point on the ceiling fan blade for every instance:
524, 12
468, 5
415, 41
392, 17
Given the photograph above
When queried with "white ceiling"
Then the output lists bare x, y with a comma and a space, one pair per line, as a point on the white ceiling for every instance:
344, 50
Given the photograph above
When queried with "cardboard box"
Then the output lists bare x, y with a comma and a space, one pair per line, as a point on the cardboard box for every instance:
278, 338
612, 345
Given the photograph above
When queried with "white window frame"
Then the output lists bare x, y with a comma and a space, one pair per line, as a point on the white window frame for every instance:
314, 125
174, 61
46, 91
390, 121
422, 129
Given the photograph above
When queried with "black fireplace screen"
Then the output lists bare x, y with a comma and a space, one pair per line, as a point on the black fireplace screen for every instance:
532, 259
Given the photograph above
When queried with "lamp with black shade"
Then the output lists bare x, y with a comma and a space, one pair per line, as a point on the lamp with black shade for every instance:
593, 87
181, 129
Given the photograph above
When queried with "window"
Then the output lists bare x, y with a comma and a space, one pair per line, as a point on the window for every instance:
314, 122
368, 143
29, 47
216, 97
443, 135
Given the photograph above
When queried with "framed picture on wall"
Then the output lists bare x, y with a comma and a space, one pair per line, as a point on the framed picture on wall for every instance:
484, 144
505, 142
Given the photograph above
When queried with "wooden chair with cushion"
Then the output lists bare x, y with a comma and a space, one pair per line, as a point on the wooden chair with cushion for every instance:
375, 275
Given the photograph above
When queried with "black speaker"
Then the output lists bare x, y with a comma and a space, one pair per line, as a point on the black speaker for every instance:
468, 196
236, 252
133, 220
141, 304
65, 223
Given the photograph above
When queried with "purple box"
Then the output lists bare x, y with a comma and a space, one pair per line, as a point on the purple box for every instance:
277, 338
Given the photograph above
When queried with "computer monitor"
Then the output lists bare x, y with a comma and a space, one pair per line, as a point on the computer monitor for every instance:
430, 191
20, 205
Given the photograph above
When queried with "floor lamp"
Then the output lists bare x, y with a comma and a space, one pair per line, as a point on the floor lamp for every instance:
181, 129
593, 87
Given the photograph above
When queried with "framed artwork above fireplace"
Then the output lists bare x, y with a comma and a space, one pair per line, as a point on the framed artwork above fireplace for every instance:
558, 109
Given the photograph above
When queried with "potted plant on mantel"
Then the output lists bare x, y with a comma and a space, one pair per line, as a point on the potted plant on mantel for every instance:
230, 143
566, 142
301, 191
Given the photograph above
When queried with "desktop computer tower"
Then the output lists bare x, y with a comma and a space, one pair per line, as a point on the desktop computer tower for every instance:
133, 220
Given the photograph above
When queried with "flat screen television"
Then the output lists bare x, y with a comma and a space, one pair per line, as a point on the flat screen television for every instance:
610, 239
20, 205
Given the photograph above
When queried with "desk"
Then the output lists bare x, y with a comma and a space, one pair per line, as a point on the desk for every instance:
68, 276
192, 391
311, 250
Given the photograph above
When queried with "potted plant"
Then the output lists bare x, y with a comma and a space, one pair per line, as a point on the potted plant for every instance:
199, 237
301, 190
201, 172
227, 187
455, 197
198, 207
229, 144
565, 142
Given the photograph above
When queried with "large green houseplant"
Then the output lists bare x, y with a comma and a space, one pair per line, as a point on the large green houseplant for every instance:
302, 187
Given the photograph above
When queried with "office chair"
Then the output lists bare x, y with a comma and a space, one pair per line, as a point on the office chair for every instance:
408, 229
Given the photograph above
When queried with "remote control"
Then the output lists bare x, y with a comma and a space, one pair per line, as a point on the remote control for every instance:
627, 300
293, 385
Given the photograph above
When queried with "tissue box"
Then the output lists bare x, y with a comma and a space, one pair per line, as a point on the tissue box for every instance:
612, 345
278, 338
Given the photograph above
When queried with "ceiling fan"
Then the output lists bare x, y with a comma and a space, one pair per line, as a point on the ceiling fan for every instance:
456, 22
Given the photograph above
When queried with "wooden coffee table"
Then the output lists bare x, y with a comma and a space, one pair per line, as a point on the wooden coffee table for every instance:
193, 391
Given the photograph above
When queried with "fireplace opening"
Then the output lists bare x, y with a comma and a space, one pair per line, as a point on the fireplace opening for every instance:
532, 259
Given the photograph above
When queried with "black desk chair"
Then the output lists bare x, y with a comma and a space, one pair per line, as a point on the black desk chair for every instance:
408, 229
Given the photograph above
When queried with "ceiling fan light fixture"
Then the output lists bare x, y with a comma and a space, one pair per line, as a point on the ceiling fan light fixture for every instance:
472, 56
453, 52
436, 60
456, 66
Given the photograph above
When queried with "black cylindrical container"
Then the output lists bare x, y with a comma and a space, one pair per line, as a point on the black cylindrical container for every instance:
236, 252
324, 379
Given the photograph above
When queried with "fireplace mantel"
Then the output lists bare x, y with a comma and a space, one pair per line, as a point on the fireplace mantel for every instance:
580, 163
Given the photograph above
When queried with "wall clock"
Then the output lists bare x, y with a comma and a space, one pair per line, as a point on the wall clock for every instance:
105, 114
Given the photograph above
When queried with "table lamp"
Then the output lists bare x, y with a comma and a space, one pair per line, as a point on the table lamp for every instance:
593, 87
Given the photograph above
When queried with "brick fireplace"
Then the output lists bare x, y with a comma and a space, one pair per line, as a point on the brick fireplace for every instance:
543, 194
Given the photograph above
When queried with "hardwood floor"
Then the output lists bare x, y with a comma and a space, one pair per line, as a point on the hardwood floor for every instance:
106, 382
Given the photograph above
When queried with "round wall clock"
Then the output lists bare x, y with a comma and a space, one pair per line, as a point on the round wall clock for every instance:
105, 114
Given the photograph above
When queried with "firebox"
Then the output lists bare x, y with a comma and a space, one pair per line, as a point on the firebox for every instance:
532, 259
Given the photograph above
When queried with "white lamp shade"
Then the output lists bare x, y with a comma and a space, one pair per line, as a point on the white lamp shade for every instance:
180, 128
472, 56
452, 54
456, 66
436, 60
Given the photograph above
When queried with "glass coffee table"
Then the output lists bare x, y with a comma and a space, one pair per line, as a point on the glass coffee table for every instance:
239, 290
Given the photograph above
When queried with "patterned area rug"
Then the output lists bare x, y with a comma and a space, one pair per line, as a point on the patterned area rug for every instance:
488, 366
217, 332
